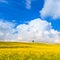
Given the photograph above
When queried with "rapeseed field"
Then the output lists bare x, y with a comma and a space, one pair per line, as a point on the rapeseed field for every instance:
29, 51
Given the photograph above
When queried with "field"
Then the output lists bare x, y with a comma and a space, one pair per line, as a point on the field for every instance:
29, 51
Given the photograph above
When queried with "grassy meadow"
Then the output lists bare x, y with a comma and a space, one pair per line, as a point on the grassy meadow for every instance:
29, 51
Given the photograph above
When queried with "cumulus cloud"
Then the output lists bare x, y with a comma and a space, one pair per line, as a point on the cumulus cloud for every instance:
39, 31
7, 31
28, 4
3, 1
51, 9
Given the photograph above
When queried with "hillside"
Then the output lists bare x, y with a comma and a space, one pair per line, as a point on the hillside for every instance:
29, 51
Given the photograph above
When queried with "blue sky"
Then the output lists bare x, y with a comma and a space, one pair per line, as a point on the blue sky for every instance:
20, 13
16, 10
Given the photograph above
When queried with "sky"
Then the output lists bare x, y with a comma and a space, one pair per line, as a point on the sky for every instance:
27, 20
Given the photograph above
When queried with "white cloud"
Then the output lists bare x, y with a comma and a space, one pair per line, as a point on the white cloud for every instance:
28, 4
39, 31
7, 31
4, 1
51, 8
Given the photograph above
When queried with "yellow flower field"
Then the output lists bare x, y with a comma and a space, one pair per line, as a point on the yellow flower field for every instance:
29, 51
